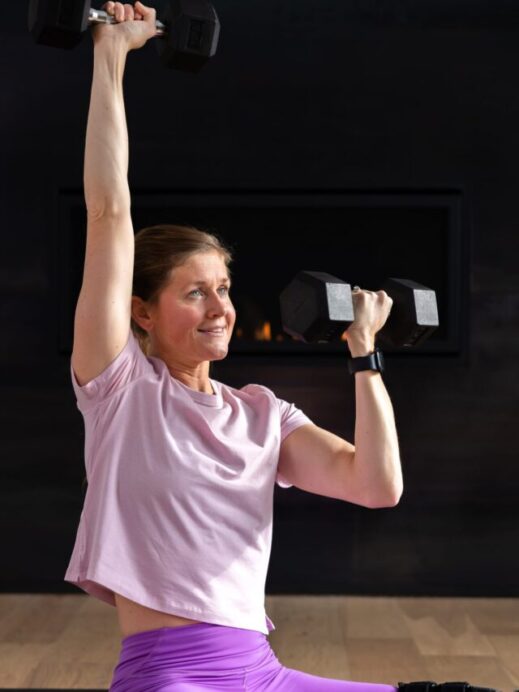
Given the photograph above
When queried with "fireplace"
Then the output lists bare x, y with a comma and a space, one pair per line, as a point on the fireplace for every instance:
362, 237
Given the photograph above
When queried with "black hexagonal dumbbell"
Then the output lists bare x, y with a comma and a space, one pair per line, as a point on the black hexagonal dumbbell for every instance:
189, 29
316, 306
428, 686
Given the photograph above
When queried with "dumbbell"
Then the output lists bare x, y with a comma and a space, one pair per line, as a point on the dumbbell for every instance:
430, 686
189, 29
316, 306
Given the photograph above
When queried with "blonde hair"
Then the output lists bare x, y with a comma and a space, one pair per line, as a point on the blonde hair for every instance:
159, 250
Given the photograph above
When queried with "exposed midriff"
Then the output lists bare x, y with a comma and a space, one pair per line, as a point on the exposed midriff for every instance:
134, 617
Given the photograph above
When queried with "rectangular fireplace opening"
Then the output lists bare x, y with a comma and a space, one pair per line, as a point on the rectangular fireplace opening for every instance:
360, 237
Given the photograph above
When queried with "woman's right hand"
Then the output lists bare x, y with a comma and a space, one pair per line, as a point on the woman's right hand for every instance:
135, 24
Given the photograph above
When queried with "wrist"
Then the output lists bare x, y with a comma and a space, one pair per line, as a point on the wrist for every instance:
361, 346
111, 44
110, 62
370, 364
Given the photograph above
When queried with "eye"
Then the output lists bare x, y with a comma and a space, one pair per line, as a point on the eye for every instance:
197, 290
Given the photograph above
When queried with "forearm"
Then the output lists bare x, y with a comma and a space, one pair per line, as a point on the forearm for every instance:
377, 455
106, 149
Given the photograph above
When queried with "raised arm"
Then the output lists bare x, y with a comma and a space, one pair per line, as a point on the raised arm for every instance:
102, 319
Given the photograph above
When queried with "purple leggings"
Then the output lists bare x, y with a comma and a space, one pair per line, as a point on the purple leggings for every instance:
204, 656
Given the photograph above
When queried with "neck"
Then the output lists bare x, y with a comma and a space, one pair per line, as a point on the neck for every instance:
195, 377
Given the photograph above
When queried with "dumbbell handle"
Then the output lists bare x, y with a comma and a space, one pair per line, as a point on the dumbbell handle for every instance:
101, 17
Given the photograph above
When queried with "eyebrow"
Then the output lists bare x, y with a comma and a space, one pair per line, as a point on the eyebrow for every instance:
203, 283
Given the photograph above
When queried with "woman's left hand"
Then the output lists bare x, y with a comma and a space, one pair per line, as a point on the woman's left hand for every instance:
371, 309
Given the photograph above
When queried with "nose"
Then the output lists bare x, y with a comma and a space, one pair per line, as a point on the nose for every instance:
217, 305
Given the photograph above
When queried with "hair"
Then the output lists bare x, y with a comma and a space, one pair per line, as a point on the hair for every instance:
158, 251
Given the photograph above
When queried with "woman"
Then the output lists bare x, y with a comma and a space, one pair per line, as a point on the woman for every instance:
177, 523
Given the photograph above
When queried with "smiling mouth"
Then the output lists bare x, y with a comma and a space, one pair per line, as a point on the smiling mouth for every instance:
212, 331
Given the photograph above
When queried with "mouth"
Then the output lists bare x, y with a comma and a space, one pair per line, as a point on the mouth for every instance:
215, 332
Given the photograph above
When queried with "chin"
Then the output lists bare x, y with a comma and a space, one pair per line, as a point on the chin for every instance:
220, 356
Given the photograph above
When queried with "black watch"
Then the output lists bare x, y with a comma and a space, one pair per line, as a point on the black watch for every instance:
375, 361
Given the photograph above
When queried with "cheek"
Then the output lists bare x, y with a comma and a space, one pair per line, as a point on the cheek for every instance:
184, 319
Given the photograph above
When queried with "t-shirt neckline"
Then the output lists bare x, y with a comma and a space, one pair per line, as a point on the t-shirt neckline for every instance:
215, 399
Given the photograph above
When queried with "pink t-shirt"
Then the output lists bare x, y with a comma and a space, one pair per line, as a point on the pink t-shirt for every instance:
178, 511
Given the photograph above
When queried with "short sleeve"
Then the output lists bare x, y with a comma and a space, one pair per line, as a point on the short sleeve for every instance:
130, 364
291, 418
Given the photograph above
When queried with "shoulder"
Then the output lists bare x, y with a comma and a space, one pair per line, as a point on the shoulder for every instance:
259, 393
251, 393
256, 390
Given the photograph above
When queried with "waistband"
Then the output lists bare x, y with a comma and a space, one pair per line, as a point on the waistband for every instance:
188, 640
201, 646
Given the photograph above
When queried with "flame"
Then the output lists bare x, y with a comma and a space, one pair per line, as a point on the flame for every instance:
263, 333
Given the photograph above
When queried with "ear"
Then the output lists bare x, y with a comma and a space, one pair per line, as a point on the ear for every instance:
141, 314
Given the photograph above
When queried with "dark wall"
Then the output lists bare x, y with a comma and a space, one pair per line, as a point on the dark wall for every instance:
326, 97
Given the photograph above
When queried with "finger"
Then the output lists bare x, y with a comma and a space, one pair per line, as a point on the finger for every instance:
119, 12
109, 7
128, 12
148, 13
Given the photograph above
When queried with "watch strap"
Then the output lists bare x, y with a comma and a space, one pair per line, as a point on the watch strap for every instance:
373, 361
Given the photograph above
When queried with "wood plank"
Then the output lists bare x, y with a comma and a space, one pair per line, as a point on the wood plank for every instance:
309, 634
507, 648
374, 617
385, 661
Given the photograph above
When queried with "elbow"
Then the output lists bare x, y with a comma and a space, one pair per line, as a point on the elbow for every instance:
396, 495
97, 211
395, 498
389, 499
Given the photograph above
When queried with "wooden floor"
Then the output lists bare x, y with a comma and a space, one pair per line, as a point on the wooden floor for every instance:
73, 641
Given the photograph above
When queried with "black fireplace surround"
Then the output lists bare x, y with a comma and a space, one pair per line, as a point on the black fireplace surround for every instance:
360, 236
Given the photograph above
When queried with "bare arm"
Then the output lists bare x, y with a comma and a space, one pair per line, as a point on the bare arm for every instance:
106, 147
368, 473
106, 151
102, 319
376, 462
